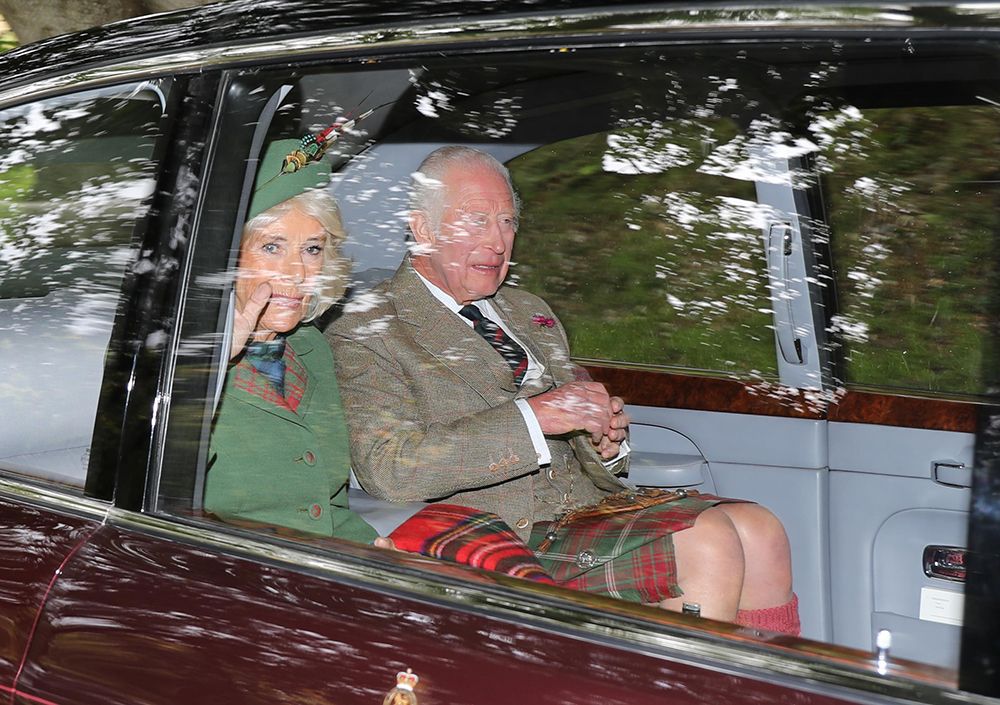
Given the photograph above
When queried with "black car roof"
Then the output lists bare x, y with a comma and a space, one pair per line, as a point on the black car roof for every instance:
239, 22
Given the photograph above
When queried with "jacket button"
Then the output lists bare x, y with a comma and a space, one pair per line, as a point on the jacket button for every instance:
315, 511
522, 523
586, 559
309, 457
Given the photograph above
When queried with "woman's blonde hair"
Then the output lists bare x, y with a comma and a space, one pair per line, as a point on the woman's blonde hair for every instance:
333, 278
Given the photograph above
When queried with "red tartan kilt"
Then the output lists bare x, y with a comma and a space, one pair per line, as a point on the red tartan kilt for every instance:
628, 555
471, 537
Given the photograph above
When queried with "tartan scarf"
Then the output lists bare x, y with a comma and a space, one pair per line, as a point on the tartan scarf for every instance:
267, 357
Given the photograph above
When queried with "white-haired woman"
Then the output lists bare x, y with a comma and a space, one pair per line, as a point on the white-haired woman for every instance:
279, 452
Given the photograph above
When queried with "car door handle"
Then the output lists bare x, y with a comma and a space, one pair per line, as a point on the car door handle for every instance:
952, 473
945, 563
779, 249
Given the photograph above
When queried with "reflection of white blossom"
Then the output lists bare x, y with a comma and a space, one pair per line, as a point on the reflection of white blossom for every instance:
499, 121
432, 97
94, 314
807, 400
730, 228
750, 156
849, 328
364, 302
826, 128
645, 150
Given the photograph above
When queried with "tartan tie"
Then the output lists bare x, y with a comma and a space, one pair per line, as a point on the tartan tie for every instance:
494, 335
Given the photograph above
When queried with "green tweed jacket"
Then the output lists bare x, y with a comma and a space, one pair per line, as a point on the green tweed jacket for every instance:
284, 461
431, 412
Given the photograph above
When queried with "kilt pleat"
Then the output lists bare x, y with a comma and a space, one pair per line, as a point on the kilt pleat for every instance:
629, 555
463, 535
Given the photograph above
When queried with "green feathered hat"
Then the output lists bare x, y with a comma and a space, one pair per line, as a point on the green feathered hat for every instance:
277, 183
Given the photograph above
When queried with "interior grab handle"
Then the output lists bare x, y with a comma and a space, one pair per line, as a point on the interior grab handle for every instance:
780, 242
945, 563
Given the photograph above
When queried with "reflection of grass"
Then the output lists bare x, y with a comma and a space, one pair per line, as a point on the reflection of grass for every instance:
910, 211
7, 38
927, 314
16, 182
609, 254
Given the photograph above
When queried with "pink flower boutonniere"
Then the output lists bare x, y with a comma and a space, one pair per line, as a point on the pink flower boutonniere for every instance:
544, 321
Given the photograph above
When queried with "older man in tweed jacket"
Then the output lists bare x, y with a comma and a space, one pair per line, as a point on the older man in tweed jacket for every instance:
461, 388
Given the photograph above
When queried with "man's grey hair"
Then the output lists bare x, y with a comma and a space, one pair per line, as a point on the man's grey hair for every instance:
427, 192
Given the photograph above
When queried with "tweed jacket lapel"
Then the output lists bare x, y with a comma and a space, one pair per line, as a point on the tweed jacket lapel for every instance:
449, 339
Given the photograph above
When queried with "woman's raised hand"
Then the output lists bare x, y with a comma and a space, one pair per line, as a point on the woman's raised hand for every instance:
246, 317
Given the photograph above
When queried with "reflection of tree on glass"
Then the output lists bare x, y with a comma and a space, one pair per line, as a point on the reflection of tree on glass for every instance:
919, 181
76, 173
675, 249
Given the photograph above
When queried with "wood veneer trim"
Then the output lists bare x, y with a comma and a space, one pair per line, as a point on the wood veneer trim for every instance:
667, 389
907, 411
683, 391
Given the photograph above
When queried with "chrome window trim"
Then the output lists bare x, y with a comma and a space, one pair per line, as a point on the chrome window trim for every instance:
53, 497
578, 26
822, 669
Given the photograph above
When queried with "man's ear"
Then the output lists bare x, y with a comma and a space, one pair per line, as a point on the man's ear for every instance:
421, 228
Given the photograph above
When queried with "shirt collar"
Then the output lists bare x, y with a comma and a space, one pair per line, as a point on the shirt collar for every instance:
442, 296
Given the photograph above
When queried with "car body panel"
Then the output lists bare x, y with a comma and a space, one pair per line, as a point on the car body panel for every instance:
36, 541
162, 621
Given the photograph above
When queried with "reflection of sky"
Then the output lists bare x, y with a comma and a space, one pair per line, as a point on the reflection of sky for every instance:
65, 225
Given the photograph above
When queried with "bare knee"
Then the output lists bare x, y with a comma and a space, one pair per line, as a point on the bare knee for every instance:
768, 560
713, 540
710, 566
761, 533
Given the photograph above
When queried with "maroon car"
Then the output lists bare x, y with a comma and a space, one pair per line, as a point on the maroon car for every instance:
771, 229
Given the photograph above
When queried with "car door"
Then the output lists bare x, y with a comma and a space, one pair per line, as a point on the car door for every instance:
76, 177
679, 218
840, 389
163, 602
652, 135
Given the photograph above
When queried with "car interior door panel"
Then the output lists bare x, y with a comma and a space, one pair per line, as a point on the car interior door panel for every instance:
885, 509
918, 609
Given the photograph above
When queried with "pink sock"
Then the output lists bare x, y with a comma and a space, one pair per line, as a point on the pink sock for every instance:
783, 618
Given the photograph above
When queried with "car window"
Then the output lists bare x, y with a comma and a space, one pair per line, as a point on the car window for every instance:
652, 257
651, 181
645, 177
76, 174
639, 226
911, 195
